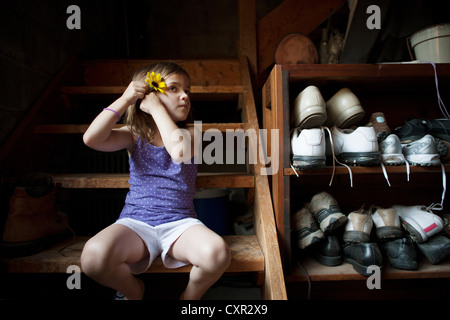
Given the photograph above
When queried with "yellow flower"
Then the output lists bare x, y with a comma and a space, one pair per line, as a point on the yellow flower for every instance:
155, 82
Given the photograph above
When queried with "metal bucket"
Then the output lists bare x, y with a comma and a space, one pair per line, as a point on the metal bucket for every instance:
431, 44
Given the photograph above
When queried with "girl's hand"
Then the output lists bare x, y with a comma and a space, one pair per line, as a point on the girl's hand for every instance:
150, 103
136, 90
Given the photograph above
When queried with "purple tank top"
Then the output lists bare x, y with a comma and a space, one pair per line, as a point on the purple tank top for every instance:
161, 190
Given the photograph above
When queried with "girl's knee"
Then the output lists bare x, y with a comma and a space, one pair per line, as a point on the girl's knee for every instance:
92, 261
217, 254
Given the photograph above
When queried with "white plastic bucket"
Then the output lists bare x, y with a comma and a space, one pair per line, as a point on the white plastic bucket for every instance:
431, 44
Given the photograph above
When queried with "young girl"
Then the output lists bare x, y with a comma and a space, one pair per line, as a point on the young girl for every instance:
158, 217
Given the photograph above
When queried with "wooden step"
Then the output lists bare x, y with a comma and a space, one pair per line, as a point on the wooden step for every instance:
99, 90
246, 256
81, 128
110, 180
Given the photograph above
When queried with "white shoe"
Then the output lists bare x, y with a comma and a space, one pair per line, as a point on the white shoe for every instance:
419, 222
308, 149
356, 147
344, 109
422, 152
309, 109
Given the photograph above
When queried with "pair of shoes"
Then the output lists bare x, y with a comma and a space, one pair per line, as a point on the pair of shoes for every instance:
419, 221
343, 109
320, 217
357, 147
34, 221
358, 249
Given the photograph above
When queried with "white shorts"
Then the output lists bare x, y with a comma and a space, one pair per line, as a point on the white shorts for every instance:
159, 240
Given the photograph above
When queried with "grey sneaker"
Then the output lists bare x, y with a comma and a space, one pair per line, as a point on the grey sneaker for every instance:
391, 151
327, 213
306, 230
422, 152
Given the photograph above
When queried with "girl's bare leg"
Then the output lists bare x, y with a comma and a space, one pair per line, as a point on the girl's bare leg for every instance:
106, 256
209, 255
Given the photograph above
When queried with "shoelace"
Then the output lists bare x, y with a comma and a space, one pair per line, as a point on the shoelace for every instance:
440, 102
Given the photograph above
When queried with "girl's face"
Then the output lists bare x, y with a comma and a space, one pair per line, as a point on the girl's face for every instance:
176, 100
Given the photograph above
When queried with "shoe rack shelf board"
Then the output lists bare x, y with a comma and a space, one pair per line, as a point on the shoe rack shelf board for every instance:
401, 92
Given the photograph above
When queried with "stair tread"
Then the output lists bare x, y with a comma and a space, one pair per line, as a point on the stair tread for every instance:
81, 90
246, 256
120, 180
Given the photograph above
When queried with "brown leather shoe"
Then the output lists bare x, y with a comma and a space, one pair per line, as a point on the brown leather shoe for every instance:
33, 223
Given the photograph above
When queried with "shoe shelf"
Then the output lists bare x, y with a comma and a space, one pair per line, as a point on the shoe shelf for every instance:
402, 92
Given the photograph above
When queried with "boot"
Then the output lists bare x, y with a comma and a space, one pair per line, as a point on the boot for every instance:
33, 221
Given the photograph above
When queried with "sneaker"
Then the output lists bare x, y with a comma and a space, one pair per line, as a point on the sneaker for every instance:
439, 128
308, 149
419, 221
387, 223
309, 109
391, 151
378, 121
412, 130
327, 213
358, 227
357, 147
306, 230
344, 109
422, 152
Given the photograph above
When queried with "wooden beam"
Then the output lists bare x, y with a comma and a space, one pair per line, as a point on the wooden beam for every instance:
247, 33
290, 16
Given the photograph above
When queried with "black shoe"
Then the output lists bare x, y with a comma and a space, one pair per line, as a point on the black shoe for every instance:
412, 130
401, 253
435, 248
439, 128
363, 255
329, 251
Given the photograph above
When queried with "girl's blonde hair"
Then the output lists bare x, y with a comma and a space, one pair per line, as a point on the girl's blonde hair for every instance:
140, 123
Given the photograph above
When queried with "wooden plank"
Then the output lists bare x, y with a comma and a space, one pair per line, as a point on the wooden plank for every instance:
81, 128
205, 72
99, 90
345, 271
247, 33
120, 180
290, 16
246, 256
264, 222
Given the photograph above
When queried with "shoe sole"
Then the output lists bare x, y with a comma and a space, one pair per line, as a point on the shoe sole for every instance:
308, 236
361, 269
311, 117
329, 261
356, 237
308, 163
388, 233
360, 158
332, 222
392, 159
423, 160
414, 230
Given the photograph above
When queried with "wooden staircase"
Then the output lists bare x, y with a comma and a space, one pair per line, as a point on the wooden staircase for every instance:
54, 126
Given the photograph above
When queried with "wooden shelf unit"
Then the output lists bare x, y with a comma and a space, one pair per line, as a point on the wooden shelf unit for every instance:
401, 92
